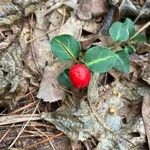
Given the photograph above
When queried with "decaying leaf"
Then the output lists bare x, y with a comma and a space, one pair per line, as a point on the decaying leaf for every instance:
73, 26
114, 121
50, 89
127, 90
146, 115
91, 26
89, 8
84, 10
81, 123
77, 123
134, 8
71, 3
93, 95
39, 53
130, 136
146, 72
84, 121
11, 69
52, 18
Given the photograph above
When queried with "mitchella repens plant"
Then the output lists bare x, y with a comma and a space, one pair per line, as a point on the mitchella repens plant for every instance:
98, 58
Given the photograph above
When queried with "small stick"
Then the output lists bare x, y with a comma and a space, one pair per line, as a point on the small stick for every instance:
139, 31
23, 127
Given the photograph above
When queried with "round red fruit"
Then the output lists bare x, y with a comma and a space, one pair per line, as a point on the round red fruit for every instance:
80, 76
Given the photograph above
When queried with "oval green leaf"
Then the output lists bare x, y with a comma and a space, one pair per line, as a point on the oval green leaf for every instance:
130, 26
64, 79
99, 59
65, 47
139, 38
123, 61
118, 32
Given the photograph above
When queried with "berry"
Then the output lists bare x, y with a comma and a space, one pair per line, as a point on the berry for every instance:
80, 76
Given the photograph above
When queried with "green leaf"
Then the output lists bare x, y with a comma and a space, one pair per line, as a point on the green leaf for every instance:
123, 61
139, 38
99, 59
64, 79
65, 47
130, 26
148, 40
130, 49
119, 32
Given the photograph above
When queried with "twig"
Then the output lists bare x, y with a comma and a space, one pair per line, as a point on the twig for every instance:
139, 31
43, 141
5, 120
6, 133
22, 108
46, 137
23, 127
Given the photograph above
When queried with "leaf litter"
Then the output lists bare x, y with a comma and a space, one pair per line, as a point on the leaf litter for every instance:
109, 113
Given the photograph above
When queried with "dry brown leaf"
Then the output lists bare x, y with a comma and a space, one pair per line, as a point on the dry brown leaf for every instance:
146, 70
146, 115
73, 26
50, 89
99, 7
87, 41
89, 8
84, 10
40, 54
42, 49
135, 8
91, 26
71, 3
52, 18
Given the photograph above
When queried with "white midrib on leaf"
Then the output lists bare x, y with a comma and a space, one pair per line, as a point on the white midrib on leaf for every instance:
67, 50
98, 60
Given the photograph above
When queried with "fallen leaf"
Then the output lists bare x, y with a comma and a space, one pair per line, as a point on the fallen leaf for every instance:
87, 41
50, 89
146, 115
77, 123
73, 26
99, 7
84, 10
133, 8
11, 69
126, 138
39, 53
146, 72
71, 3
91, 26
52, 18
89, 8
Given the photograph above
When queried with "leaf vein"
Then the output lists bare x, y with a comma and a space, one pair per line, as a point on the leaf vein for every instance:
67, 50
99, 60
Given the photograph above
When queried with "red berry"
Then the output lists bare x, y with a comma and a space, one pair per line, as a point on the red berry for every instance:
79, 76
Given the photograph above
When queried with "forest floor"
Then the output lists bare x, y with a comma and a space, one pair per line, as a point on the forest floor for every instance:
37, 112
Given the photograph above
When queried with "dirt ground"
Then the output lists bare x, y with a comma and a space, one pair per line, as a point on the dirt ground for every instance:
37, 112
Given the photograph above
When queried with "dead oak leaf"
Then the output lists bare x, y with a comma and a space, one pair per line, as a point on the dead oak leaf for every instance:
50, 90
89, 8
146, 115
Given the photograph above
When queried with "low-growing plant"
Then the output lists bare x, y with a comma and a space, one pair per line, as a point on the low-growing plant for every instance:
98, 58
